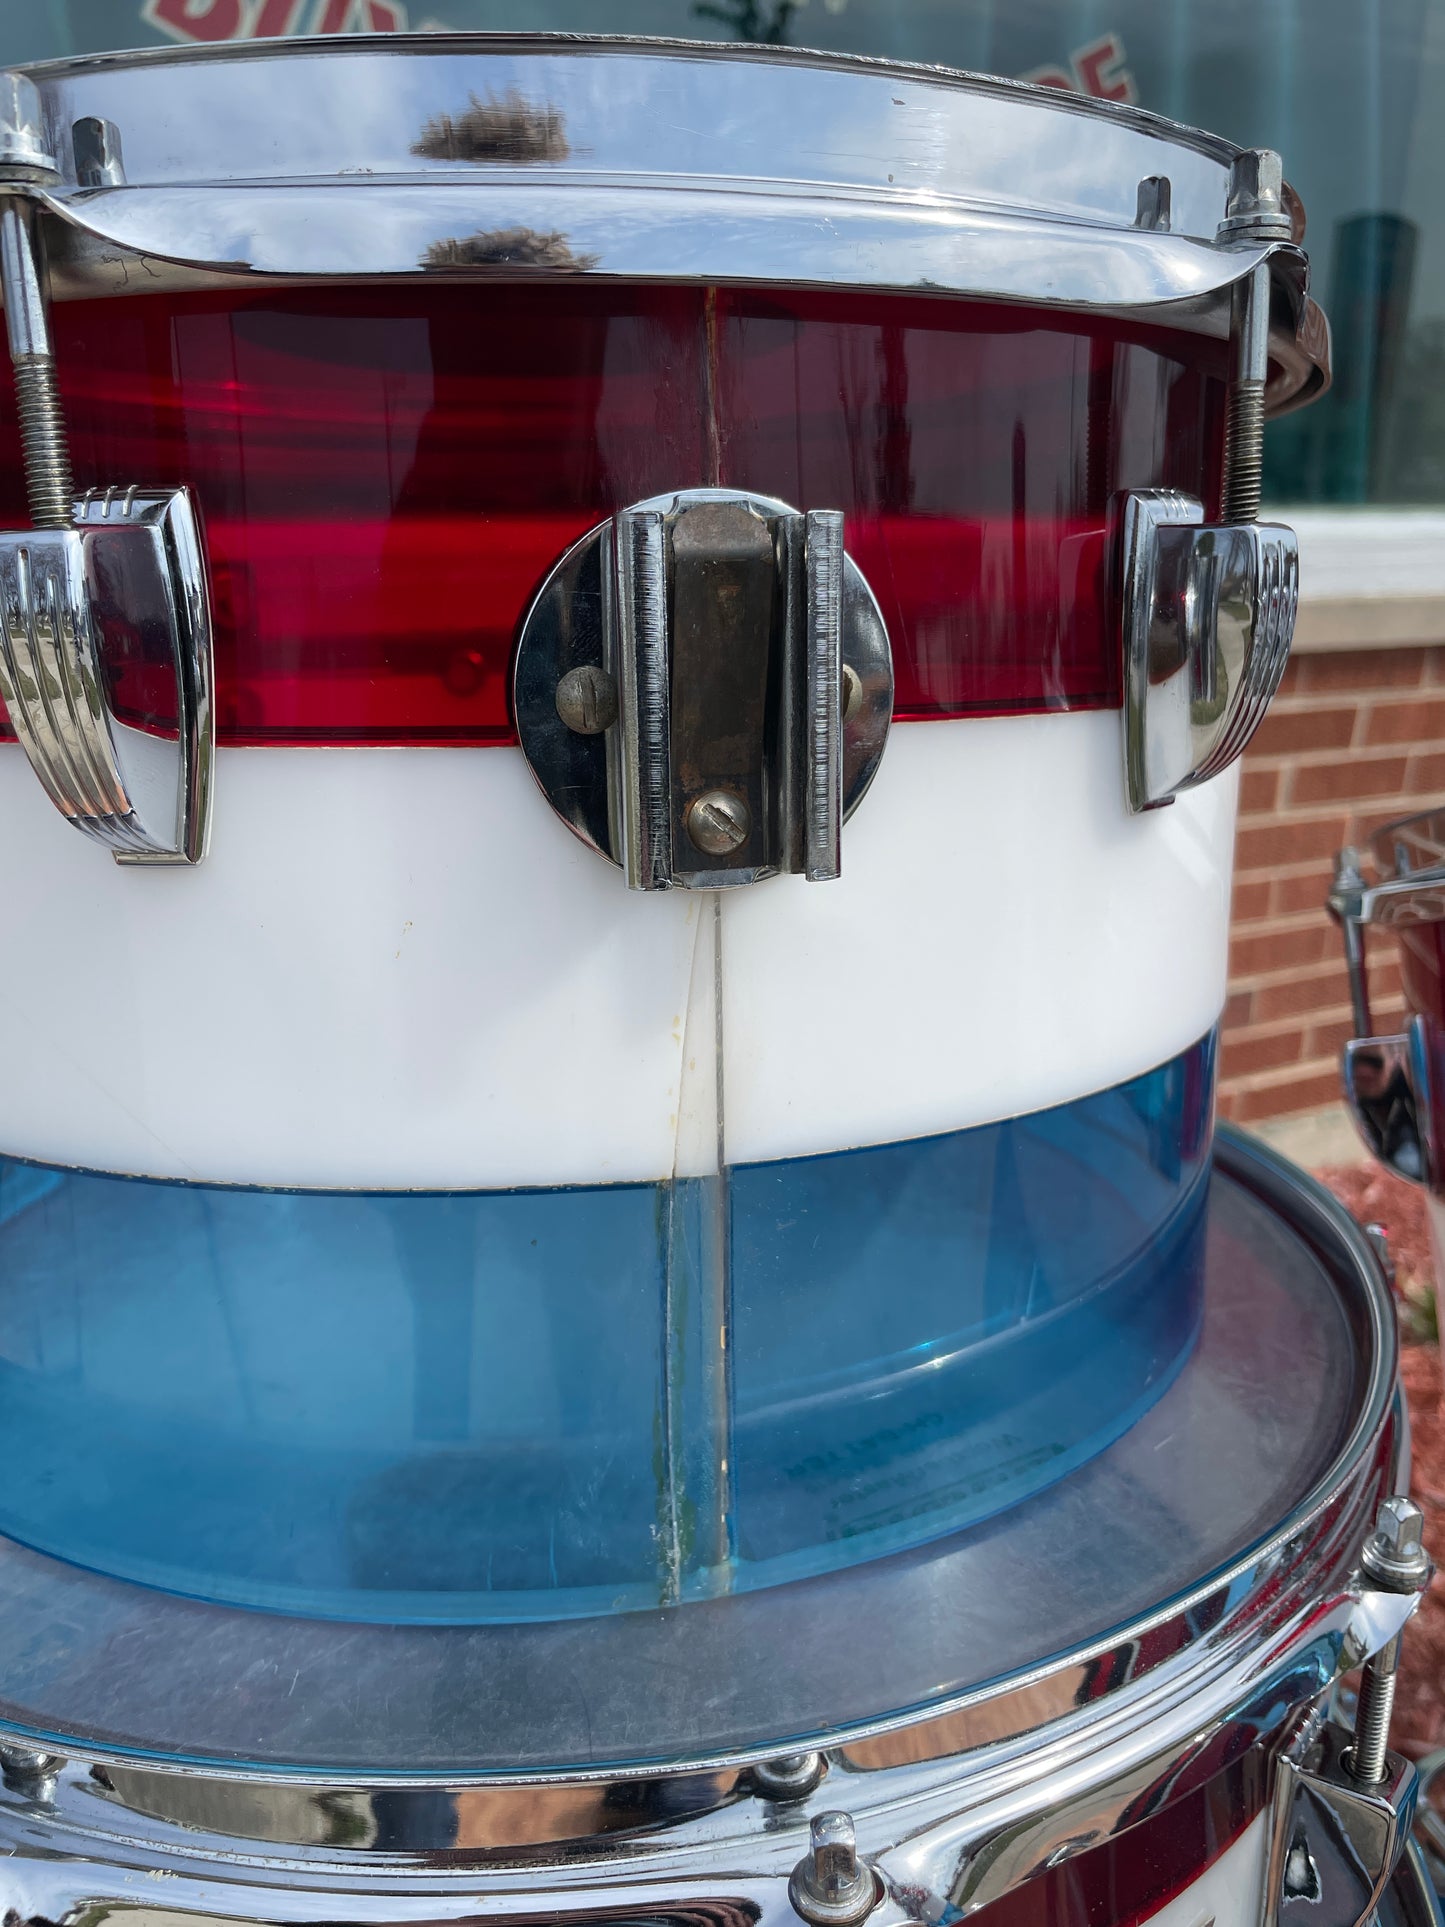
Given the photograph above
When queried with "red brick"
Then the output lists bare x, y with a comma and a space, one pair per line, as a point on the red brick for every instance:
1328, 1039
1289, 682
1324, 989
1425, 773
1243, 1055
1306, 1092
1364, 669
1363, 824
1256, 953
1251, 901
1237, 1009
1420, 720
1258, 791
1305, 892
1285, 732
1346, 778
1268, 846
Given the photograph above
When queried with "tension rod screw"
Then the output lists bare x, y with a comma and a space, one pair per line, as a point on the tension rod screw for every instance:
831, 1886
1394, 1559
587, 700
718, 822
790, 1777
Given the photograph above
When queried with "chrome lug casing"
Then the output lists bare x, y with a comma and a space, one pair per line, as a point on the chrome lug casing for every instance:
1208, 614
122, 592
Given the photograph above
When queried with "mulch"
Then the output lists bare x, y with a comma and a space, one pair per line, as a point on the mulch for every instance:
1376, 1197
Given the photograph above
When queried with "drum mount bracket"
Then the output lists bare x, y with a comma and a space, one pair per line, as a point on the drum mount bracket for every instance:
703, 689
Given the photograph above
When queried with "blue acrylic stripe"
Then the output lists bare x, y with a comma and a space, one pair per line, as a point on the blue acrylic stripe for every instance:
509, 1405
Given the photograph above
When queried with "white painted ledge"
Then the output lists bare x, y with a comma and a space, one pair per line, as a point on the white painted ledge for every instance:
1369, 578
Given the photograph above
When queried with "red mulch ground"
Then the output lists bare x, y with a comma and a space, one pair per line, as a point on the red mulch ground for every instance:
1375, 1197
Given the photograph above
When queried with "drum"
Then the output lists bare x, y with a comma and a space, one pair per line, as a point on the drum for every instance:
573, 1302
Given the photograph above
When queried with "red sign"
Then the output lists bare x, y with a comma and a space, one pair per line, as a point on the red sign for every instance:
1097, 69
262, 19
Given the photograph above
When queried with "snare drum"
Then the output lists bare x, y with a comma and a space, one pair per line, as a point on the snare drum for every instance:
613, 1189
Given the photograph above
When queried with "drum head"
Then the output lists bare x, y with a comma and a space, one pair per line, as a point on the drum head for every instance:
1280, 1405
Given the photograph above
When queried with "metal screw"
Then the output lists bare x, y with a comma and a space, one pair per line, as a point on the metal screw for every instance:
792, 1777
28, 1771
831, 1886
852, 693
1155, 204
718, 822
1254, 209
1394, 1559
587, 700
24, 156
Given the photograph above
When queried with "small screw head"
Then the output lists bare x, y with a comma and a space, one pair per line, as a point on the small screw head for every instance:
1394, 1556
718, 822
587, 700
831, 1886
1255, 209
791, 1777
852, 693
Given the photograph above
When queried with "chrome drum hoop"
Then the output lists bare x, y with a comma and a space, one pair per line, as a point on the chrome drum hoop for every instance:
504, 157
962, 1805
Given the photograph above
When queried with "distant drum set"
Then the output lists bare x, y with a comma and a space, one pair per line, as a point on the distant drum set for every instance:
550, 1369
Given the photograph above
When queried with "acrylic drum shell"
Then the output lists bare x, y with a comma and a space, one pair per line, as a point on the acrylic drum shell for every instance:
1168, 1723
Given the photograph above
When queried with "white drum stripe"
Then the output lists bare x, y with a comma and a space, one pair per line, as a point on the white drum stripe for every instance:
397, 969
1005, 936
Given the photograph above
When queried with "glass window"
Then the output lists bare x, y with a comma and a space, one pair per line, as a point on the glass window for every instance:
1352, 92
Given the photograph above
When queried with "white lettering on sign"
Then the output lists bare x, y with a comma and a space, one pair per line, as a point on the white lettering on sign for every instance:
267, 19
1098, 69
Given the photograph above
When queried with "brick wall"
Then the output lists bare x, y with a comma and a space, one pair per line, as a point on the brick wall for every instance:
1353, 740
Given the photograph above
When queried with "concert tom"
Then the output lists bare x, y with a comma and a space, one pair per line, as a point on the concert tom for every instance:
541, 1161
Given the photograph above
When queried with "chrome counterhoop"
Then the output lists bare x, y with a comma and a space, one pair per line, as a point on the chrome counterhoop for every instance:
950, 1810
505, 157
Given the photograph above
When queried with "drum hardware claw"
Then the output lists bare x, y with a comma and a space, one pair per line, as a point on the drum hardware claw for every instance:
96, 146
1388, 1086
103, 602
703, 689
792, 1776
831, 1886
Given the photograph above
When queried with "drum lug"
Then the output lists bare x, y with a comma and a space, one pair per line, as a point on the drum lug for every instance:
1336, 1842
1388, 1091
703, 689
1208, 617
105, 639
1344, 1803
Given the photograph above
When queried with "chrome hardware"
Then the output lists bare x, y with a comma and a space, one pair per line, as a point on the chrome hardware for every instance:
28, 1771
1156, 195
109, 584
703, 689
1254, 208
1335, 1842
1388, 1092
123, 590
1395, 902
1345, 1804
96, 145
792, 1776
1208, 615
1393, 1560
831, 1886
